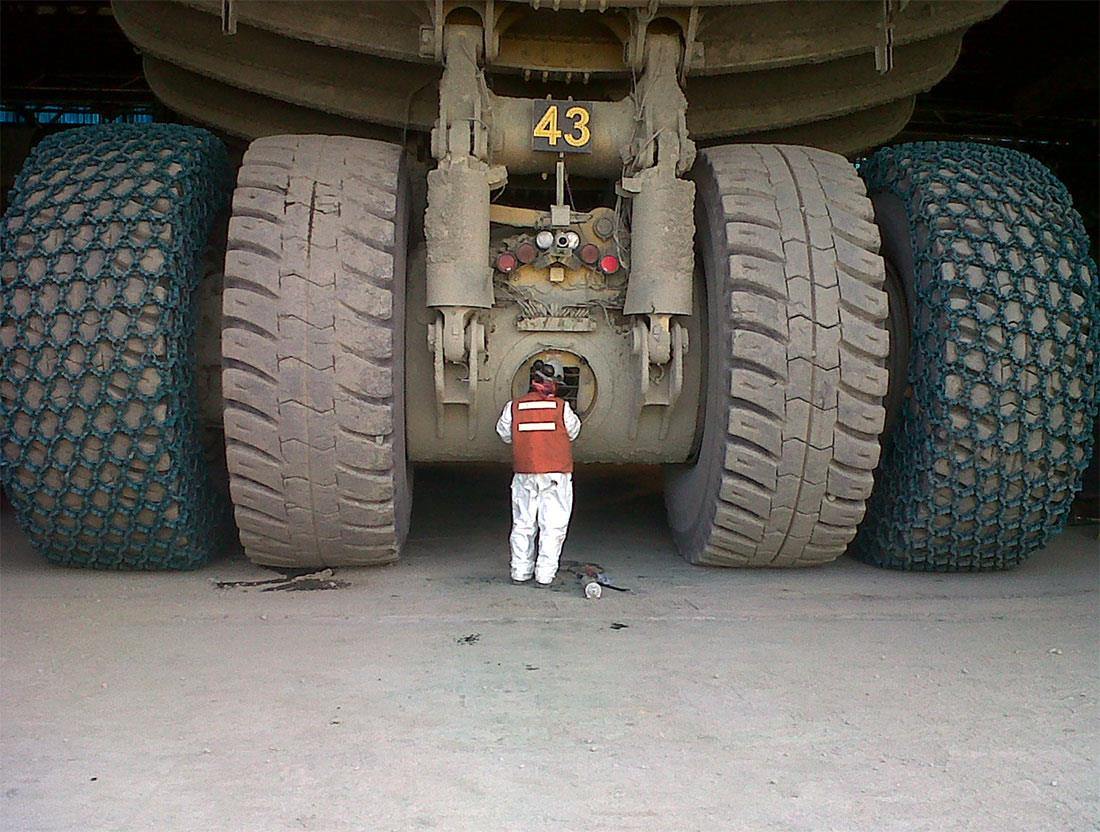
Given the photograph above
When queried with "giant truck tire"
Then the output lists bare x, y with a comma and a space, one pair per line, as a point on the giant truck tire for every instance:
313, 352
996, 426
795, 360
102, 255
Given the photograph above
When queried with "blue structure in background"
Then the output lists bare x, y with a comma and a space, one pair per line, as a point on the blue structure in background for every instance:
58, 114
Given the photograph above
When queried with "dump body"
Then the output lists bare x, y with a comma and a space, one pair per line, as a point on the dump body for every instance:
787, 72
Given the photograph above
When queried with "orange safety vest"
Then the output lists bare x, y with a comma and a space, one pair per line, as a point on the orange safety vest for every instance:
540, 444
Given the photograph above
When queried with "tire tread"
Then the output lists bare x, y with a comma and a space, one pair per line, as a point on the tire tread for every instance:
314, 247
805, 357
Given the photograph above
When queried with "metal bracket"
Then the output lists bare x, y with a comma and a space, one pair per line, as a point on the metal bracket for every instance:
694, 57
431, 35
660, 339
229, 17
634, 49
452, 335
492, 36
660, 383
884, 49
457, 341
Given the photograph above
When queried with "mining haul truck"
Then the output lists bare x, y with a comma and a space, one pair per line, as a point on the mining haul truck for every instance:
895, 354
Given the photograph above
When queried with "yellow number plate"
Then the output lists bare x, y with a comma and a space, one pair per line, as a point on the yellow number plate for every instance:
561, 126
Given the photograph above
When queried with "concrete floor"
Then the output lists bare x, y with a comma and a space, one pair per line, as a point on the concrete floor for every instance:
434, 695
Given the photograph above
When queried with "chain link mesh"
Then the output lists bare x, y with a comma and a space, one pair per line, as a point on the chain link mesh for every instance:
996, 426
101, 256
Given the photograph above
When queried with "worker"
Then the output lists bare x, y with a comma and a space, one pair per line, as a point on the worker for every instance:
540, 427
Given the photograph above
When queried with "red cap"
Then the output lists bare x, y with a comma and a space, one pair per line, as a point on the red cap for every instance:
609, 264
526, 253
506, 262
589, 254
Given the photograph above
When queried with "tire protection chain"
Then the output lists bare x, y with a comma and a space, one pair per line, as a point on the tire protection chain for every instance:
101, 250
968, 483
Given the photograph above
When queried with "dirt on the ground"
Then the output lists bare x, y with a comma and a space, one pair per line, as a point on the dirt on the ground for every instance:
434, 694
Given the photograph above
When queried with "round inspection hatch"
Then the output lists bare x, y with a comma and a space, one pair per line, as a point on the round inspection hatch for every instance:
579, 389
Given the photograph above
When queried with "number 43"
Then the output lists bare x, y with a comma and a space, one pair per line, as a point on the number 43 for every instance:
547, 127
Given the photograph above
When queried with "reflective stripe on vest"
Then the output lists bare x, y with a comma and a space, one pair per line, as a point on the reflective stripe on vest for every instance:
540, 443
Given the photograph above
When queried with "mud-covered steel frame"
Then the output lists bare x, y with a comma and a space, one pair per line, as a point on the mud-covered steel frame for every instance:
643, 145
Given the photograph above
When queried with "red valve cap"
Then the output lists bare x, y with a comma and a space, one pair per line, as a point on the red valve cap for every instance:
589, 254
526, 253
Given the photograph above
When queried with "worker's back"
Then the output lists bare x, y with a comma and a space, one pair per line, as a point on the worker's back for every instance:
540, 438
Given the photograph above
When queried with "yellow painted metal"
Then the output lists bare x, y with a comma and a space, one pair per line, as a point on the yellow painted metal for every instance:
511, 215
566, 274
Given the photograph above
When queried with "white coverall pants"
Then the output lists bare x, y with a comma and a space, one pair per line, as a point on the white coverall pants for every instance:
542, 503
